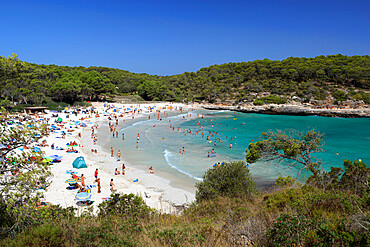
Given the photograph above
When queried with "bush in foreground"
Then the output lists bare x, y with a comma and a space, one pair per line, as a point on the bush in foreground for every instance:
229, 180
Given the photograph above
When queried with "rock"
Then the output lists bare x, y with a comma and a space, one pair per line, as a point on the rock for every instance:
297, 110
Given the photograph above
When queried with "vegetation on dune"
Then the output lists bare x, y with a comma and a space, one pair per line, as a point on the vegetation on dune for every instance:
333, 79
289, 216
229, 179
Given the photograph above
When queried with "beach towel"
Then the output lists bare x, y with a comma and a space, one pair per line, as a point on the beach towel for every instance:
90, 186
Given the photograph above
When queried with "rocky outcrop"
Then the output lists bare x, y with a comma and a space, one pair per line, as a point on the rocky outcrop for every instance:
297, 110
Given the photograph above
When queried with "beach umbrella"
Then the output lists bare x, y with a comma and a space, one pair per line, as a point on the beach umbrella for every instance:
2, 146
71, 181
60, 119
83, 196
55, 156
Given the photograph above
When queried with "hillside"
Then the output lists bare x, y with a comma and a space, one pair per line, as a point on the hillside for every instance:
330, 79
326, 78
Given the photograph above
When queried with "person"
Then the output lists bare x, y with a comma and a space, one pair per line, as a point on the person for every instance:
138, 136
39, 186
111, 151
99, 187
123, 169
116, 172
111, 185
96, 174
137, 144
151, 170
83, 180
123, 136
118, 155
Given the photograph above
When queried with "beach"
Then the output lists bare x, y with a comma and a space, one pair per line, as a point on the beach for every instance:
156, 191
169, 187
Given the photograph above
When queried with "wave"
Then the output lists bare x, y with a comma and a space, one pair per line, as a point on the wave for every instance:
134, 124
167, 155
217, 112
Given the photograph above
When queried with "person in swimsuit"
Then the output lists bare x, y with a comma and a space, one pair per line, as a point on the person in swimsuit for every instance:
123, 169
99, 187
111, 185
118, 155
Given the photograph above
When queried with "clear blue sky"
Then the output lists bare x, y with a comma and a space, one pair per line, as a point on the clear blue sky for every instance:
171, 37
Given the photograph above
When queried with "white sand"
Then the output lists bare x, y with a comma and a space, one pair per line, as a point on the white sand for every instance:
160, 195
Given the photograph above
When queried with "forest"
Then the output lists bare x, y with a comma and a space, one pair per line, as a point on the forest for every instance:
333, 79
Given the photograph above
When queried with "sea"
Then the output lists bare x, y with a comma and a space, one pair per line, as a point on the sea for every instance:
163, 139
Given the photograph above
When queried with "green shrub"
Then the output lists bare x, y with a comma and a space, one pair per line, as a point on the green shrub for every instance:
45, 235
289, 230
339, 95
299, 230
284, 181
129, 205
109, 233
271, 99
229, 180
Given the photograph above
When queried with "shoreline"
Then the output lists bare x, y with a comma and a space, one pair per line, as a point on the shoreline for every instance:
173, 181
155, 191
294, 110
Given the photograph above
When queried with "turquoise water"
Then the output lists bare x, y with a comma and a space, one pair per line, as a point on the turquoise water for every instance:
159, 145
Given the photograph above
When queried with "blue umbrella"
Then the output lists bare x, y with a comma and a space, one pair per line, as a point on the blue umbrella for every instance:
83, 196
37, 149
56, 157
